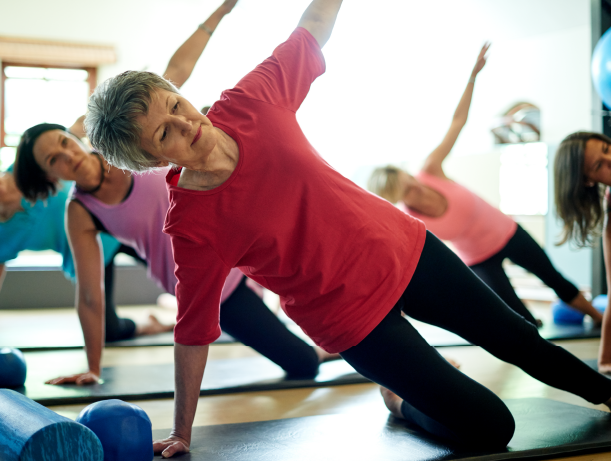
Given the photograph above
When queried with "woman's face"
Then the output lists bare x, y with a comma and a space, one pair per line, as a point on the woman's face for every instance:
597, 162
173, 131
62, 156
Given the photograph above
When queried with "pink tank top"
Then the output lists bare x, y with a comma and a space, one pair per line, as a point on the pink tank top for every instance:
138, 222
474, 227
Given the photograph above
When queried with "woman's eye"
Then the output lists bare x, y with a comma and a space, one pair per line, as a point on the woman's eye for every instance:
64, 142
164, 134
52, 161
175, 107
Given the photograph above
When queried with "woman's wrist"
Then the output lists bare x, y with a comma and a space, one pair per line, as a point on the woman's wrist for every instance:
472, 78
205, 28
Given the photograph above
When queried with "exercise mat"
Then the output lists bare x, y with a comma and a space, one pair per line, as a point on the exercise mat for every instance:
142, 382
48, 330
439, 337
544, 429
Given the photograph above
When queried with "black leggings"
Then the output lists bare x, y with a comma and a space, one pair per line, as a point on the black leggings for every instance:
246, 317
438, 397
117, 329
523, 251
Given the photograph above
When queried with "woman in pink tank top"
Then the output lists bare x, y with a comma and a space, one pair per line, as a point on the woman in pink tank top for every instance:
481, 234
132, 209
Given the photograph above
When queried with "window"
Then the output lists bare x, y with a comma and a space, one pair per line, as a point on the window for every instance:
523, 179
36, 94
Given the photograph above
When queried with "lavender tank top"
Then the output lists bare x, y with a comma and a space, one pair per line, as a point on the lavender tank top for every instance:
138, 222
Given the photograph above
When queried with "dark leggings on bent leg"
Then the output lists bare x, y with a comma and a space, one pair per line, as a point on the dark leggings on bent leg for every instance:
438, 397
246, 317
525, 252
117, 329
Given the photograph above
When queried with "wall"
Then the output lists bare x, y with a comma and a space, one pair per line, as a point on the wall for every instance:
395, 69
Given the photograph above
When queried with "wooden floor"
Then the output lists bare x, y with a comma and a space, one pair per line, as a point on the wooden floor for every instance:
505, 380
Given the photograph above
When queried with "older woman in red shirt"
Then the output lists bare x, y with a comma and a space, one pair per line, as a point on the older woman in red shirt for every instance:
253, 193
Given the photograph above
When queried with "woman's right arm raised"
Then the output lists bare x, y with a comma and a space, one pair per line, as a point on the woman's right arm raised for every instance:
433, 163
86, 251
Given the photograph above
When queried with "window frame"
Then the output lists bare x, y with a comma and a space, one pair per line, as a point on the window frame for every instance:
91, 79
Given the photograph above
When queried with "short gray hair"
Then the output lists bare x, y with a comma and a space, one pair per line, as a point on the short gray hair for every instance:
111, 118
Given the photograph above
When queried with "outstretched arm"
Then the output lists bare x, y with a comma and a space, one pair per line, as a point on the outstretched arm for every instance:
189, 365
2, 274
604, 354
183, 61
433, 163
82, 236
319, 19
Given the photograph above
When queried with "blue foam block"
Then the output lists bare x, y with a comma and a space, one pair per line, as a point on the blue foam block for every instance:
31, 432
125, 430
563, 314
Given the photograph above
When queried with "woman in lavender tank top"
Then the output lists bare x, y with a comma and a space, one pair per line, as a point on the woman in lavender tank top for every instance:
482, 235
132, 209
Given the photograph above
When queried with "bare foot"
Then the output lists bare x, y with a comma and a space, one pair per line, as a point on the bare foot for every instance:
167, 301
393, 402
604, 368
153, 327
453, 362
324, 356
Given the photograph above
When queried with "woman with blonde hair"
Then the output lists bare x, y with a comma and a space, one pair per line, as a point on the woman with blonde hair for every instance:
481, 234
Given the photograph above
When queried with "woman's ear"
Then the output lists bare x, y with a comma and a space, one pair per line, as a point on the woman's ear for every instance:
589, 183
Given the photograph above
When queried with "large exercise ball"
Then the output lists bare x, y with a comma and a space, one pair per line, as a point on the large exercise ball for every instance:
125, 430
601, 68
12, 368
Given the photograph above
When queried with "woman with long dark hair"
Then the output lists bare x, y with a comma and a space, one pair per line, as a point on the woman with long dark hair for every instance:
582, 172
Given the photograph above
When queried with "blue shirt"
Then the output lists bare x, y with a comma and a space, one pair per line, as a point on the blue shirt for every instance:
40, 226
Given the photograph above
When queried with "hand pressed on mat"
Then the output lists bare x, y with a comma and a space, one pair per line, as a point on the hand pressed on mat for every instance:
79, 379
171, 446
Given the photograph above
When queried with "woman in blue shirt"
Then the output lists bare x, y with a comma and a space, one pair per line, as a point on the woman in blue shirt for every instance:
40, 226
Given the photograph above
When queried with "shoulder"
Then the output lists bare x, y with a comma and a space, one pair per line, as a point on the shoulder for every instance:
78, 217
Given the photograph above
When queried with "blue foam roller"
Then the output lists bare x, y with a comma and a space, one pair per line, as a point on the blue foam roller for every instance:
600, 303
31, 432
12, 367
564, 314
124, 429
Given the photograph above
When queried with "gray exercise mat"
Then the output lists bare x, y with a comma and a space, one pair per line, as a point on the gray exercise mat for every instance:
439, 337
57, 332
157, 381
544, 429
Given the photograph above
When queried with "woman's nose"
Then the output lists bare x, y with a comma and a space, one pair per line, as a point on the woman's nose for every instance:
184, 125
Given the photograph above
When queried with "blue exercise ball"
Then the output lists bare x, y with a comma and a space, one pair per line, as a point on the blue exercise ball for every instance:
12, 368
125, 430
601, 68
564, 314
